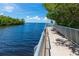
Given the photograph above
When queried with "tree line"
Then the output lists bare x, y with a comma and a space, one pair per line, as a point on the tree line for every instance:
65, 14
6, 20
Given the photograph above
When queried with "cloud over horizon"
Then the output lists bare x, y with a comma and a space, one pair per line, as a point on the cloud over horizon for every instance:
37, 19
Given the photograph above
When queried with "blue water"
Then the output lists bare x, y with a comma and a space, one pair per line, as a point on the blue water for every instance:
20, 40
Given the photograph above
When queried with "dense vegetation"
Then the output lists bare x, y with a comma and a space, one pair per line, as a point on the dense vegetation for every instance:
6, 20
66, 14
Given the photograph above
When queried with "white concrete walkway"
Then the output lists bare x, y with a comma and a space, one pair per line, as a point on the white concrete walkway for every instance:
58, 50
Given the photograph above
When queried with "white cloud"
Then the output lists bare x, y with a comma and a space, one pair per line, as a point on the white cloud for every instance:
34, 17
8, 8
45, 18
27, 17
37, 19
1, 13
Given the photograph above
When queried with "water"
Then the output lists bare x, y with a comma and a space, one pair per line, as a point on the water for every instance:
20, 40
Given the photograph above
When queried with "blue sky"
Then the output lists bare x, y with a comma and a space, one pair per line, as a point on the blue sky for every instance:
31, 12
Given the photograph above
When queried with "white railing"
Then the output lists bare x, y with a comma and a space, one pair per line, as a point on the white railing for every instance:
42, 49
69, 33
38, 50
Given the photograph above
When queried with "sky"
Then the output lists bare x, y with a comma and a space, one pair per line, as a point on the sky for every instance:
31, 12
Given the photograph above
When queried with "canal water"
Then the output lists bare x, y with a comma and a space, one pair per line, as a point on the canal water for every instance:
20, 40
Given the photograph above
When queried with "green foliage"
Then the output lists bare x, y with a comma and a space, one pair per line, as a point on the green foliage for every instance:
6, 20
66, 14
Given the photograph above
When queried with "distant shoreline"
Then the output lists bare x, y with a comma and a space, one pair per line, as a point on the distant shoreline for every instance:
9, 21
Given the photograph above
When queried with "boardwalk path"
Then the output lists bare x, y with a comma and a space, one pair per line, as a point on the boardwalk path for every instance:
57, 50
